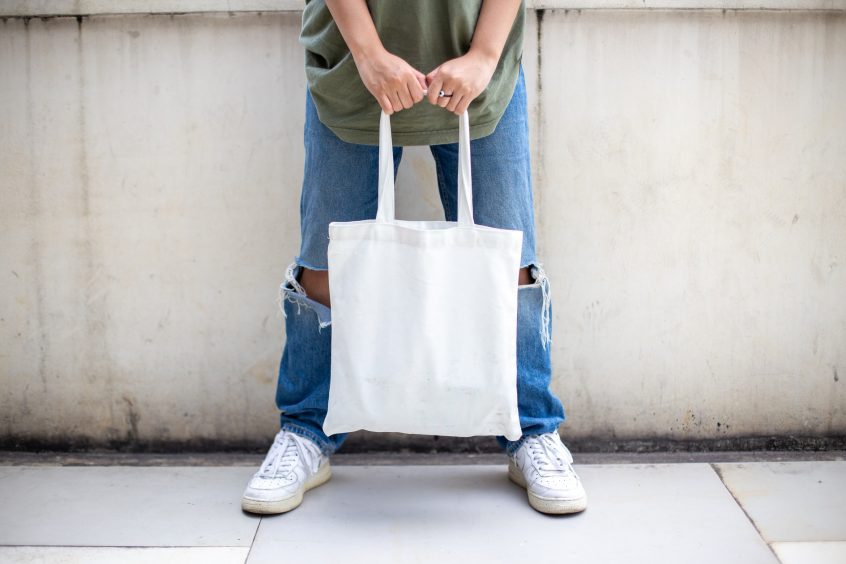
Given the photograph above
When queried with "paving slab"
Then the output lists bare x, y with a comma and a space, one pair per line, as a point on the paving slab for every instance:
810, 552
124, 506
123, 555
637, 513
791, 501
381, 458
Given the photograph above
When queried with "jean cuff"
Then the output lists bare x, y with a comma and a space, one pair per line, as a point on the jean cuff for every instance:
512, 446
322, 444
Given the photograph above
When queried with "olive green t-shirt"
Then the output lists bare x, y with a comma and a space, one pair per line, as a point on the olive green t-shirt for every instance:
424, 33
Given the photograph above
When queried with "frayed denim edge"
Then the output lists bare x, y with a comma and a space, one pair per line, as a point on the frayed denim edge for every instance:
291, 290
542, 280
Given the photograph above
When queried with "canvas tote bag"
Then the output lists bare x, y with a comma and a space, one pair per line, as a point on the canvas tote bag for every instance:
424, 317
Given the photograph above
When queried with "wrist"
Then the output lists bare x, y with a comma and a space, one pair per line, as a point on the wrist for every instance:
367, 51
486, 56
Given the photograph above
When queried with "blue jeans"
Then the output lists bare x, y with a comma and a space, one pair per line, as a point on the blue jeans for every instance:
340, 184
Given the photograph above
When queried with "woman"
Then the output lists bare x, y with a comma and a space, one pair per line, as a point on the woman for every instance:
362, 58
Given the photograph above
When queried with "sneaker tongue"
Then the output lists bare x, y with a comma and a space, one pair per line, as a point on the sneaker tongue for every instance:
284, 458
558, 448
550, 456
287, 461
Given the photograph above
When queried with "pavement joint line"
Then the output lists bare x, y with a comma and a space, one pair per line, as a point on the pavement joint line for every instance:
255, 535
719, 474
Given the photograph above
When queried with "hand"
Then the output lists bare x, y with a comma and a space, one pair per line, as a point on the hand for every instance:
394, 83
464, 77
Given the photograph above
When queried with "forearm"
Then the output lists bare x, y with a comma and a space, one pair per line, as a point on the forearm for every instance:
496, 18
356, 26
394, 83
465, 77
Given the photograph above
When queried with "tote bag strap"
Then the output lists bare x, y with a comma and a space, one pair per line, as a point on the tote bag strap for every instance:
386, 212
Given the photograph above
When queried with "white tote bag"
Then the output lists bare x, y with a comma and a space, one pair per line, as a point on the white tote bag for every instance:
424, 317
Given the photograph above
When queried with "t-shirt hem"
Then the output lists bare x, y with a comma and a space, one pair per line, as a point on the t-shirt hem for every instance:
437, 137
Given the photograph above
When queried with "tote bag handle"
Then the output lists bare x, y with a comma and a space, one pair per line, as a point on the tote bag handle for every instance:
386, 212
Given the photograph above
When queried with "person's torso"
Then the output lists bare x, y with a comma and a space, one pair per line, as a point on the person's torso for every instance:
425, 33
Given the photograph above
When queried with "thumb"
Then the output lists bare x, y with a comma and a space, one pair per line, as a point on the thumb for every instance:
431, 76
421, 78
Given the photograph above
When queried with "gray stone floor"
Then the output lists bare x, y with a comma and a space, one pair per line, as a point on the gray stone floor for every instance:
744, 507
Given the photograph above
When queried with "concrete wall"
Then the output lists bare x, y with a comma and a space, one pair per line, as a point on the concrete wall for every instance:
690, 184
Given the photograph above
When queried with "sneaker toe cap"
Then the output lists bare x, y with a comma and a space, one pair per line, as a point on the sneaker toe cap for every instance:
558, 488
266, 489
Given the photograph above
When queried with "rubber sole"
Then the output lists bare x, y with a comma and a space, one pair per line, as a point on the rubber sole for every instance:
283, 505
547, 505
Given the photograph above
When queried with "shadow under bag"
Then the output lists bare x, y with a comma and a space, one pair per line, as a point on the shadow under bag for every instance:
424, 317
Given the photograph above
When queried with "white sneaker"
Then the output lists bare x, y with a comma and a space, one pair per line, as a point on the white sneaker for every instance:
544, 466
293, 465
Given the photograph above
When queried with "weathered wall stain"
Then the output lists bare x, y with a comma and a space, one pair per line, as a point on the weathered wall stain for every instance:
692, 305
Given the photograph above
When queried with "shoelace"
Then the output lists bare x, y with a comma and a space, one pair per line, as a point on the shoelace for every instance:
286, 450
549, 456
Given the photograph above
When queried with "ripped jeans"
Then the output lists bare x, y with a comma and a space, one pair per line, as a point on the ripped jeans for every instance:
340, 184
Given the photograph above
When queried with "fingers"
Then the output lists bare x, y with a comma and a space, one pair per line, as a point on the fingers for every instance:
415, 89
396, 103
394, 83
385, 102
421, 81
454, 100
408, 86
445, 100
435, 84
459, 90
404, 97
461, 95
463, 104
408, 92
414, 93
